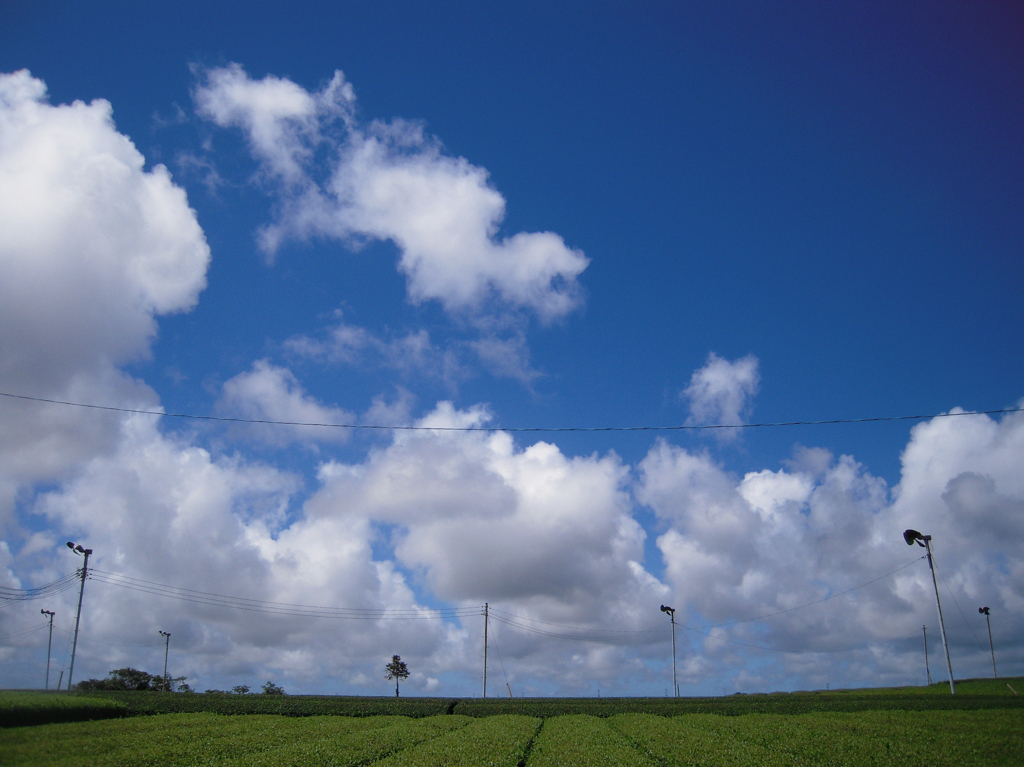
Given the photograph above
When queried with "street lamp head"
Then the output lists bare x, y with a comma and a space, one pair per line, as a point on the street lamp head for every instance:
47, 612
983, 610
165, 633
667, 609
71, 545
910, 536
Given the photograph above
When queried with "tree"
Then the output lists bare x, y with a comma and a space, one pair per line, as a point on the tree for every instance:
396, 670
131, 679
272, 689
240, 689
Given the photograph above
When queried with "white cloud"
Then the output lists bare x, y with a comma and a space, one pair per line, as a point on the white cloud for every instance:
720, 392
167, 512
269, 392
391, 182
93, 248
279, 118
530, 530
739, 548
93, 245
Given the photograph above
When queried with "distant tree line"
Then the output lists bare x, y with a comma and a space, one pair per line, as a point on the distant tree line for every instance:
133, 679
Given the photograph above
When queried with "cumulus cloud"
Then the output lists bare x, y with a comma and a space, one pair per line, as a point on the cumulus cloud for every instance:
167, 512
390, 181
469, 515
720, 392
272, 393
94, 247
545, 536
738, 548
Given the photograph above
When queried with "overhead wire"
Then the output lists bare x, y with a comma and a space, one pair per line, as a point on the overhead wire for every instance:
23, 632
9, 596
276, 608
384, 427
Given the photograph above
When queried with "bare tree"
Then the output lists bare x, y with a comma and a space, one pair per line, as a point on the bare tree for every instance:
396, 670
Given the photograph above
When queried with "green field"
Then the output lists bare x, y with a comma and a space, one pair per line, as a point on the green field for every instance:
992, 737
981, 725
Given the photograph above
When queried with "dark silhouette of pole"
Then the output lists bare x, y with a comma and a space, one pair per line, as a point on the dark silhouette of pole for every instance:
991, 647
910, 536
486, 611
672, 615
78, 616
167, 646
927, 670
49, 645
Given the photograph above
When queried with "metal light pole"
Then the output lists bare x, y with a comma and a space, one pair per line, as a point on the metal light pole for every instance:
85, 571
49, 645
672, 614
927, 670
910, 536
984, 611
167, 646
486, 611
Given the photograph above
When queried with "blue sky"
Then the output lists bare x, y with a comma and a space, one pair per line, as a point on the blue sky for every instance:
465, 215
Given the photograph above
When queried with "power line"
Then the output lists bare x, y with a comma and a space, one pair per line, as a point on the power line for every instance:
277, 608
378, 427
9, 596
23, 631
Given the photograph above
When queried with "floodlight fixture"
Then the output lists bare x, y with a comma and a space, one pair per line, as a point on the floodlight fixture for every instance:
911, 537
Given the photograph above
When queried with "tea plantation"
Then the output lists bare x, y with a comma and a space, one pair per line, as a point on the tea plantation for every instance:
982, 725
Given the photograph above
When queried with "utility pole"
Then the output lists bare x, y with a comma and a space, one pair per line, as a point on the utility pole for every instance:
49, 645
85, 571
910, 536
672, 614
992, 649
486, 611
167, 646
927, 670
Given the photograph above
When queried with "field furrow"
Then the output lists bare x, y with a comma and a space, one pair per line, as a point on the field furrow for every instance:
579, 739
496, 741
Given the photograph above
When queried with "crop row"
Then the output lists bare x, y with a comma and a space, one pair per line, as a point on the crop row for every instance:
22, 708
25, 708
934, 738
